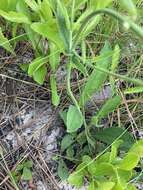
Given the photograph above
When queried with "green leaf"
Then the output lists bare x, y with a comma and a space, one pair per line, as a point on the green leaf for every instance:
129, 162
137, 148
79, 66
27, 174
131, 187
66, 142
32, 4
130, 7
4, 5
63, 115
109, 135
70, 153
62, 170
63, 24
124, 175
76, 179
24, 67
36, 64
55, 96
114, 150
15, 17
97, 78
28, 164
104, 169
20, 167
38, 70
108, 107
7, 5
45, 10
115, 58
134, 90
98, 4
92, 186
54, 59
74, 119
114, 65
49, 30
118, 186
4, 42
103, 158
40, 74
106, 185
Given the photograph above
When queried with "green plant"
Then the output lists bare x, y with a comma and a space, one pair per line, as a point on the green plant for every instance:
109, 171
23, 171
63, 28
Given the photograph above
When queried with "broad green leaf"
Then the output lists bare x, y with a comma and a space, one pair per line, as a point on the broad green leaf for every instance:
138, 148
86, 159
15, 17
74, 119
124, 175
40, 74
63, 115
105, 185
32, 36
27, 174
66, 142
8, 5
76, 179
4, 5
130, 7
131, 187
63, 24
55, 96
114, 150
104, 169
109, 135
97, 78
38, 70
28, 164
108, 107
118, 186
62, 170
24, 67
129, 162
103, 158
134, 90
45, 10
4, 42
49, 30
36, 64
12, 5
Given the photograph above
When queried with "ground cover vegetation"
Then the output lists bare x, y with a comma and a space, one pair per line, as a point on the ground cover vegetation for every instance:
88, 37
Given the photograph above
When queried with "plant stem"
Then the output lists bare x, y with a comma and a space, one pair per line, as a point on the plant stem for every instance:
123, 19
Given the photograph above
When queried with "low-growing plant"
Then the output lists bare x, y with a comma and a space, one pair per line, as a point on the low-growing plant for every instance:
23, 171
62, 24
110, 170
58, 28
